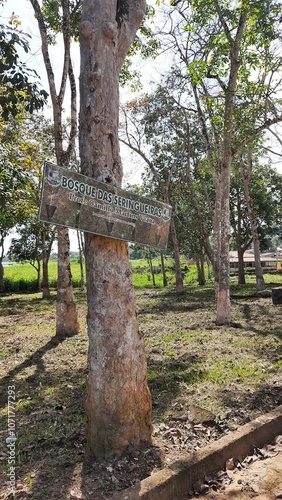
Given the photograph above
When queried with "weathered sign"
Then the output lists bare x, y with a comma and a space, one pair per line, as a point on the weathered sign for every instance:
79, 202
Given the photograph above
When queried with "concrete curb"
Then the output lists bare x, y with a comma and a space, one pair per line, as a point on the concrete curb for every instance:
175, 481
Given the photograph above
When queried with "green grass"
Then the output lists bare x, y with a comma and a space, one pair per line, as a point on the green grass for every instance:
23, 277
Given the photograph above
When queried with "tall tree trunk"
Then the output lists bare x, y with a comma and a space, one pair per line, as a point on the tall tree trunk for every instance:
2, 287
66, 307
66, 315
200, 263
45, 274
256, 243
223, 313
163, 269
151, 268
217, 236
38, 270
178, 276
118, 401
81, 259
241, 266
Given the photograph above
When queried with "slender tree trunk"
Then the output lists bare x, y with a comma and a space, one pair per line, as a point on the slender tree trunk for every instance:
163, 269
200, 270
256, 243
178, 276
67, 323
118, 402
45, 273
223, 314
2, 286
81, 258
216, 237
151, 268
241, 266
38, 269
66, 310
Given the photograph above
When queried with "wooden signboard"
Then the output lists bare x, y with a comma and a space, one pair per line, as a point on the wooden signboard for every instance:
79, 202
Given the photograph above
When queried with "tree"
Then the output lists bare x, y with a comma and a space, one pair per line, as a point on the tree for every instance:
240, 223
18, 84
161, 129
50, 17
232, 62
140, 118
34, 245
12, 203
118, 402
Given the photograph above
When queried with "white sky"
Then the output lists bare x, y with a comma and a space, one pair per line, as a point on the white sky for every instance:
25, 13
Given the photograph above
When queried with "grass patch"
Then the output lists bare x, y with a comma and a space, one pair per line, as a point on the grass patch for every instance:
234, 371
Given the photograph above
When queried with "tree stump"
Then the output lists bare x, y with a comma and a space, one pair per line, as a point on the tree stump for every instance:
277, 296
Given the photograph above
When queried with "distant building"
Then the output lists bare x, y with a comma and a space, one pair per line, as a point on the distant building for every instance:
268, 261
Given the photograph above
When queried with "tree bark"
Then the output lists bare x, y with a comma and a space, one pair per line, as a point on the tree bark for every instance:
223, 313
178, 276
151, 267
163, 269
200, 263
81, 259
46, 251
2, 286
67, 323
65, 295
260, 285
118, 401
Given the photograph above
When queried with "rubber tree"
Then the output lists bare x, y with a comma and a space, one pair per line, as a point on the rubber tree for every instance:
118, 401
232, 62
66, 314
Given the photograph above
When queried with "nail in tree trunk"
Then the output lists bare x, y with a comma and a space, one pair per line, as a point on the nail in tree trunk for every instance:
118, 401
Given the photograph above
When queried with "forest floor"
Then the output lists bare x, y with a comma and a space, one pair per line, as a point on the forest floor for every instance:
205, 381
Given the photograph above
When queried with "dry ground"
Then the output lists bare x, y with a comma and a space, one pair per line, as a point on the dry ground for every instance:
205, 381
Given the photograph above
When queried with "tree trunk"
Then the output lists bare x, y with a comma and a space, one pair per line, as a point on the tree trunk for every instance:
81, 258
38, 270
163, 269
45, 274
223, 313
67, 323
178, 276
66, 308
256, 243
216, 236
118, 402
237, 227
2, 288
241, 266
201, 269
151, 267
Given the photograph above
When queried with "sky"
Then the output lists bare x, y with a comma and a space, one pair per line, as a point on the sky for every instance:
24, 10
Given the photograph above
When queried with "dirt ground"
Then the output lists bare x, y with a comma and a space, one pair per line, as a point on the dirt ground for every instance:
259, 476
205, 381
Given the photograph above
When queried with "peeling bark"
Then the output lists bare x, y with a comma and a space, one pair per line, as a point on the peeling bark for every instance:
118, 402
